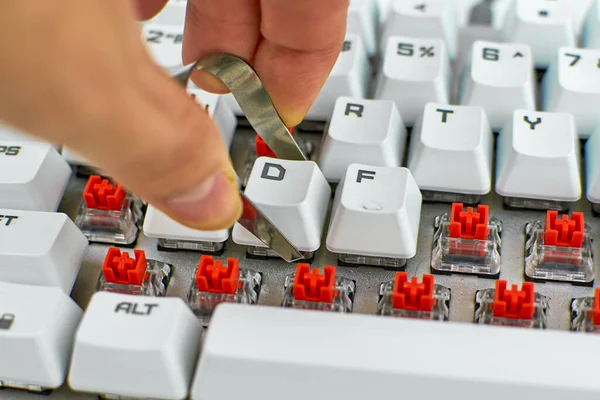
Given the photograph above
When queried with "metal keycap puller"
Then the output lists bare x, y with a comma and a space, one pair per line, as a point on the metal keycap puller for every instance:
247, 88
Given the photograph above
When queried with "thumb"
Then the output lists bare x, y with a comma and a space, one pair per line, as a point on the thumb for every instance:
110, 102
165, 148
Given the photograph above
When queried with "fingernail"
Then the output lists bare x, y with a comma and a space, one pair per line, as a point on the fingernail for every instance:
212, 205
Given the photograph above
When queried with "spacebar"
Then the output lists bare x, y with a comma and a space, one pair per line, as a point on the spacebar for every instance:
273, 353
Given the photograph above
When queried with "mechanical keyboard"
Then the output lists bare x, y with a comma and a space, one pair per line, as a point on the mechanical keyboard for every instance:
447, 214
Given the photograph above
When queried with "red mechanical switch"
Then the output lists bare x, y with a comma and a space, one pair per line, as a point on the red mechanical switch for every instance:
262, 150
596, 309
314, 286
102, 195
564, 232
214, 277
469, 224
413, 295
121, 269
514, 303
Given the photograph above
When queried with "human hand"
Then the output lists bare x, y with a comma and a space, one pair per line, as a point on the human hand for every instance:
77, 73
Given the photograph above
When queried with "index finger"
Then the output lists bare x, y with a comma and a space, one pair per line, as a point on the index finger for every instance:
292, 45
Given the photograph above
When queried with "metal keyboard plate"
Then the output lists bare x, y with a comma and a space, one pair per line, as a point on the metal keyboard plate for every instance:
463, 287
368, 279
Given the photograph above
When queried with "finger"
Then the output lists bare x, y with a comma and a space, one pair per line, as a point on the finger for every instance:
170, 153
108, 101
147, 9
224, 26
302, 41
293, 47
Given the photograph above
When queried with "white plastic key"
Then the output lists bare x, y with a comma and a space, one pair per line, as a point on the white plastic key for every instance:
135, 346
354, 357
219, 110
74, 158
591, 33
423, 19
362, 131
33, 176
159, 225
349, 77
294, 195
173, 14
376, 212
545, 25
384, 10
572, 85
501, 78
165, 44
592, 167
451, 150
538, 157
40, 248
415, 72
37, 327
466, 8
362, 20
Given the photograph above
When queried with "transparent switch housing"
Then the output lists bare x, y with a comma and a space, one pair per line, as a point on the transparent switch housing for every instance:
585, 314
439, 312
536, 204
372, 261
557, 263
108, 214
204, 247
112, 226
471, 256
484, 312
155, 281
203, 303
450, 197
342, 301
36, 389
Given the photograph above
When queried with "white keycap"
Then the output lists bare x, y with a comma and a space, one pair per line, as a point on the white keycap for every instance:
354, 357
451, 150
591, 33
465, 8
74, 158
173, 14
363, 17
165, 44
376, 212
415, 72
501, 78
219, 110
294, 195
33, 176
592, 167
37, 326
349, 77
572, 85
385, 7
423, 19
362, 131
135, 346
8, 133
538, 157
158, 225
542, 24
40, 248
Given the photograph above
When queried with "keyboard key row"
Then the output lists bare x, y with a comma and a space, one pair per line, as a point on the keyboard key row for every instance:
130, 337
